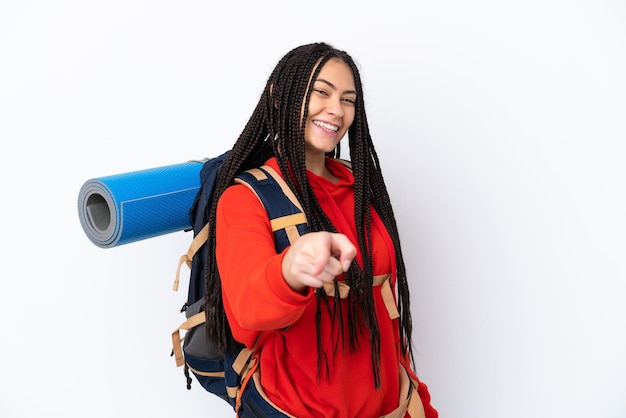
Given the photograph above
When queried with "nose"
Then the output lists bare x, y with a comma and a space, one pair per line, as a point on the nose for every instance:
334, 107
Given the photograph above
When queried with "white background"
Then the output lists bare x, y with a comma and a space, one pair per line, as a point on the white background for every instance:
500, 128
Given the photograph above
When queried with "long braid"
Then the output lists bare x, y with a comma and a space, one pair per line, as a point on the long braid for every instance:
378, 196
361, 165
383, 207
246, 153
276, 128
291, 156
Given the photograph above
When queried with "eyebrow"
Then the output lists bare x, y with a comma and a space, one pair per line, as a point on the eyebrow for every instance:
332, 86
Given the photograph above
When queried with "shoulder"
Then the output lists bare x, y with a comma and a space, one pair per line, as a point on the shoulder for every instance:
340, 162
339, 165
342, 169
238, 208
237, 196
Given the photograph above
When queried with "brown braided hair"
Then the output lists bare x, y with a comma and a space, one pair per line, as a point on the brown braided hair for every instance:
276, 128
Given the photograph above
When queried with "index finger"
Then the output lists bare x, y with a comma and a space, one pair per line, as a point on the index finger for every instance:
342, 248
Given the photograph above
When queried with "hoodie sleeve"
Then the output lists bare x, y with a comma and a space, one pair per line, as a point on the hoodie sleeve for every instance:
256, 296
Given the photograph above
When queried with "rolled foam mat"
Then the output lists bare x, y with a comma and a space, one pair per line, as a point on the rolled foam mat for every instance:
128, 207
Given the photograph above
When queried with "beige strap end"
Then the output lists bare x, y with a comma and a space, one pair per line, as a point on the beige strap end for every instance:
177, 340
389, 300
183, 259
195, 245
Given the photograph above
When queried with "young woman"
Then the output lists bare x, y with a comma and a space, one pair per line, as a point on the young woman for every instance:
332, 309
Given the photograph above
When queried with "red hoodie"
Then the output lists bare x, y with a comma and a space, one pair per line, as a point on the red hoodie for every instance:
257, 298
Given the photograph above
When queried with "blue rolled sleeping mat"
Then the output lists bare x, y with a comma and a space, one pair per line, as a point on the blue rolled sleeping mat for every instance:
128, 207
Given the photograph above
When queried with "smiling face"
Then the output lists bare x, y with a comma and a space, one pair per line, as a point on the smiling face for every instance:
331, 109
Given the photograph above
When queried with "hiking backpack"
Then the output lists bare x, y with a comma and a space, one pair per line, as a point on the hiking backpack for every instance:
221, 372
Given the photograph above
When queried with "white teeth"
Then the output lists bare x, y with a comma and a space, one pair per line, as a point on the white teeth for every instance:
325, 125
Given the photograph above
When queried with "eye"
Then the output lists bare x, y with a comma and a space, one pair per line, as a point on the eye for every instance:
349, 100
321, 91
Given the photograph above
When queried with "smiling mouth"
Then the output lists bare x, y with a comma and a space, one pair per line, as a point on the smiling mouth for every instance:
328, 126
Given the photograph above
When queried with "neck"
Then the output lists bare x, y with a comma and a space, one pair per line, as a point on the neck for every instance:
317, 165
